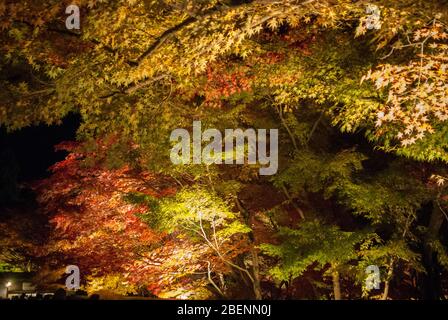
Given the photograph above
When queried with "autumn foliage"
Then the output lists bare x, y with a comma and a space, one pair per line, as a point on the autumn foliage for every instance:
95, 227
361, 112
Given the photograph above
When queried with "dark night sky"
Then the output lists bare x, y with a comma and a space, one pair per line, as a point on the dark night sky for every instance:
31, 150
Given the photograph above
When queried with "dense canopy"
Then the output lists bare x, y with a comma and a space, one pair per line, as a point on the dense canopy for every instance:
360, 102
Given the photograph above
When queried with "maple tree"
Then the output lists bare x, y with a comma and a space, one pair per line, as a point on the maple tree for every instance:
105, 222
362, 147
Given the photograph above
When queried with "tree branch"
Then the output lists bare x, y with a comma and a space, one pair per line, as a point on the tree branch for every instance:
219, 8
134, 87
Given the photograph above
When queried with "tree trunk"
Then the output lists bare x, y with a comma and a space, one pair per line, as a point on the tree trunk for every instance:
435, 222
386, 290
336, 285
390, 271
256, 271
255, 264
431, 281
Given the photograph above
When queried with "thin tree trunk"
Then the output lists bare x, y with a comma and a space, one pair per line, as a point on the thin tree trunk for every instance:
285, 124
336, 285
255, 263
386, 290
435, 222
256, 271
390, 271
291, 200
431, 281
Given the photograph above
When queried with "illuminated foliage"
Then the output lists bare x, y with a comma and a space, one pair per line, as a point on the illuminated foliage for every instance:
338, 90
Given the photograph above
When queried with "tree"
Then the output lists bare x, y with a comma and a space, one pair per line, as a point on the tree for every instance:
357, 108
314, 245
207, 220
107, 222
